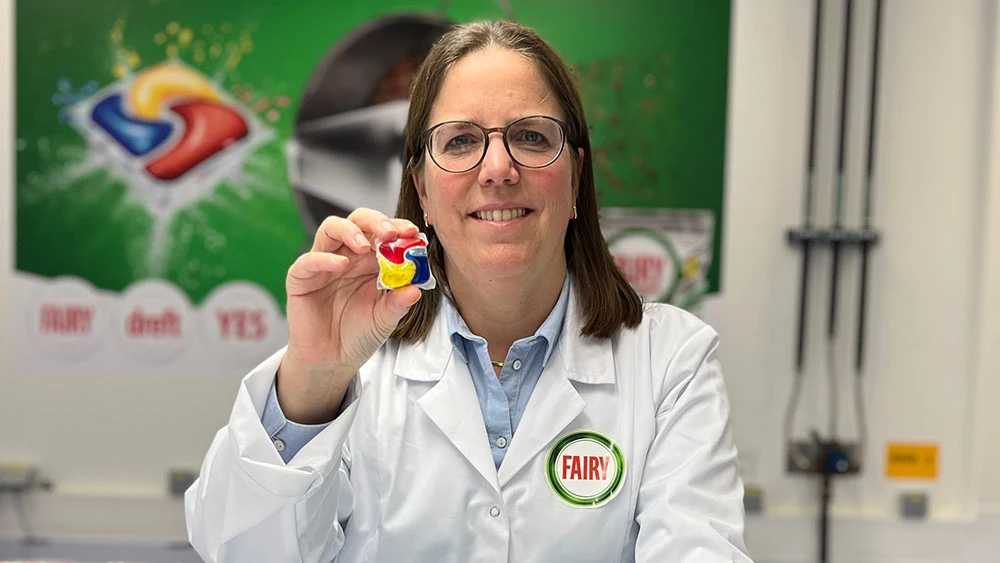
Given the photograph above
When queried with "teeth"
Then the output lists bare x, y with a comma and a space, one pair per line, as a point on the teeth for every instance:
497, 215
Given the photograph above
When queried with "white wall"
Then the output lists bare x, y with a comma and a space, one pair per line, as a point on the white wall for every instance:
987, 436
934, 293
931, 361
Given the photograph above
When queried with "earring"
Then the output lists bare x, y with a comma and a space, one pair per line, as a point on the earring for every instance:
426, 224
574, 211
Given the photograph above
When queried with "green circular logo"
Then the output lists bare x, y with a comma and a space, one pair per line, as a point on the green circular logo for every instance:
586, 469
648, 261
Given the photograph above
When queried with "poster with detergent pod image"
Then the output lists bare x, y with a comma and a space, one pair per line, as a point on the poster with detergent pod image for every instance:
174, 157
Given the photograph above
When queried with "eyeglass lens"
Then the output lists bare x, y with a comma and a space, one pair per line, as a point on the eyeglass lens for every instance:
459, 146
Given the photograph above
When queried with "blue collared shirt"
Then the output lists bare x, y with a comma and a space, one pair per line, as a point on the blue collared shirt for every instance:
502, 400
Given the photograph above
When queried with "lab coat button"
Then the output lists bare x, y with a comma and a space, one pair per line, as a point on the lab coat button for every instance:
279, 444
495, 511
501, 442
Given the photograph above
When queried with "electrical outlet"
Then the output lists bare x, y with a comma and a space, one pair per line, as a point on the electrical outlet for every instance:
753, 500
180, 480
808, 457
913, 505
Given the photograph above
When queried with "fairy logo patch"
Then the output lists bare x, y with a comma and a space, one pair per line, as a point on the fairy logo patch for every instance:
586, 469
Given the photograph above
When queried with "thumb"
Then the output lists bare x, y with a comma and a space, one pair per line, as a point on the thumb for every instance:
392, 306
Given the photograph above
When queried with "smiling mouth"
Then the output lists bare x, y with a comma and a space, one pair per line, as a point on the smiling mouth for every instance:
497, 215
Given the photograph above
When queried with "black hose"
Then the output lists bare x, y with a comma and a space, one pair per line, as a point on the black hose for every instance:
841, 157
867, 220
808, 206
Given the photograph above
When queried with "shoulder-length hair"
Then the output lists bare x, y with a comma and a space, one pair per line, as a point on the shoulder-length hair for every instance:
604, 296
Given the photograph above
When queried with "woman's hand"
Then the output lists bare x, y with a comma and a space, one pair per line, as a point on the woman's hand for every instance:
337, 317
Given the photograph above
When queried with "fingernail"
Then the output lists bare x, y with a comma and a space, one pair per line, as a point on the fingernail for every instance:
386, 225
360, 239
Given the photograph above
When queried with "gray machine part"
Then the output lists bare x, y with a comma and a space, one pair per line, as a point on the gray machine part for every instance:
346, 151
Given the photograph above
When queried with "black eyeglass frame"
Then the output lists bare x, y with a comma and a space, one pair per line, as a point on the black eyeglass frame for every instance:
487, 131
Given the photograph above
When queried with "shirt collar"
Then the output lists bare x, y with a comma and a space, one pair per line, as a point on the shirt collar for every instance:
549, 331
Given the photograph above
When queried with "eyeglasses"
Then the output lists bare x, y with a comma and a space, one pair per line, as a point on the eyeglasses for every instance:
459, 146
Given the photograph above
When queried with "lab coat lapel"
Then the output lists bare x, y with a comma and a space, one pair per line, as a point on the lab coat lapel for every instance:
555, 401
553, 405
451, 404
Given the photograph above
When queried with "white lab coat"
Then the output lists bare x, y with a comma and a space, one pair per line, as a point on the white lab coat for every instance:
405, 473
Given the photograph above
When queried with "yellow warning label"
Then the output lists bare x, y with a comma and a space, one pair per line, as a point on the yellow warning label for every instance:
911, 461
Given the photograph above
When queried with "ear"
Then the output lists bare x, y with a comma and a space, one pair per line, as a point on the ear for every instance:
418, 183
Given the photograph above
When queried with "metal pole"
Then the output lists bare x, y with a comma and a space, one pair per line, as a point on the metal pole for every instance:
838, 221
807, 219
869, 166
810, 181
866, 228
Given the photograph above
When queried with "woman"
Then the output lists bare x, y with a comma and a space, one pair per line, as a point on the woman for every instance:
529, 409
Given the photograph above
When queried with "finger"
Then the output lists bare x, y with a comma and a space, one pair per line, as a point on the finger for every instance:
391, 307
405, 228
374, 222
312, 271
336, 232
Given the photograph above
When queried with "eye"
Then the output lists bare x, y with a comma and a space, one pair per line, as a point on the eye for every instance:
457, 138
458, 142
534, 137
530, 137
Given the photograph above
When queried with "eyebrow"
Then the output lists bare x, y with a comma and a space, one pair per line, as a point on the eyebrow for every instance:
507, 122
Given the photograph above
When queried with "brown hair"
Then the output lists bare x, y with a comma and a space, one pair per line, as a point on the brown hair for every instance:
604, 295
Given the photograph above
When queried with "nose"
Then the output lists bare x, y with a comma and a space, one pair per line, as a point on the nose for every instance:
497, 167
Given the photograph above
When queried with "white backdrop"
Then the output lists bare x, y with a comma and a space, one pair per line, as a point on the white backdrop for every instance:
934, 316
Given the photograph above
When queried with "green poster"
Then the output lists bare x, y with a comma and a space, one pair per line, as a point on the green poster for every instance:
198, 143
